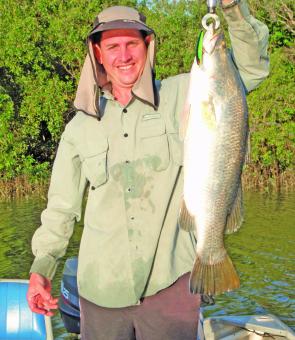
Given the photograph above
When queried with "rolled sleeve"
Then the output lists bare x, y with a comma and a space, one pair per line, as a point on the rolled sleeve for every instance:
249, 38
65, 196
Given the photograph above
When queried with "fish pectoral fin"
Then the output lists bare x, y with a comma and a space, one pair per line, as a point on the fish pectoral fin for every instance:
185, 220
209, 114
236, 217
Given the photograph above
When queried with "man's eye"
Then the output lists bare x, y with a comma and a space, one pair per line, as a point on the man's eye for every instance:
112, 47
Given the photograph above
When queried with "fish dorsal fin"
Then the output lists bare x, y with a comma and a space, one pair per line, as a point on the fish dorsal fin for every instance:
185, 220
185, 114
184, 119
236, 216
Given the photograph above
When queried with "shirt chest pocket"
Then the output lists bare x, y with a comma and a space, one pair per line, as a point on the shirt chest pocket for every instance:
94, 162
153, 145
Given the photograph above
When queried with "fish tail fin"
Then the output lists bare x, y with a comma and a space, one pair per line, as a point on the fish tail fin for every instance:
213, 279
185, 219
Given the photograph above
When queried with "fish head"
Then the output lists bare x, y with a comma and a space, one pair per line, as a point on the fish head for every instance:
210, 43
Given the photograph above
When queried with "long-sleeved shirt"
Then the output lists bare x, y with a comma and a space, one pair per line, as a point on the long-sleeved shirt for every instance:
131, 245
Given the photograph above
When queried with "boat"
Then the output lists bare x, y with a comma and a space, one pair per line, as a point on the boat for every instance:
17, 322
243, 327
230, 327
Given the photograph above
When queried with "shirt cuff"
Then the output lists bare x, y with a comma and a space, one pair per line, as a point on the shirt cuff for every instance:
235, 14
45, 266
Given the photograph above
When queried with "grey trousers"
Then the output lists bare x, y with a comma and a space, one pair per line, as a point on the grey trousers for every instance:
171, 314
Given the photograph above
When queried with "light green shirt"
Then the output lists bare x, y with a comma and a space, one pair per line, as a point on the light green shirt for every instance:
131, 244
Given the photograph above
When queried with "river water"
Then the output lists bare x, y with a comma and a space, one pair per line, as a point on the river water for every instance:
263, 252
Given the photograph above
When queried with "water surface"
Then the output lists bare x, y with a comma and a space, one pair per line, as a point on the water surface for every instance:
263, 252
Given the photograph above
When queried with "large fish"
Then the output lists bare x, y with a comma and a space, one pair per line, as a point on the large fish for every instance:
215, 128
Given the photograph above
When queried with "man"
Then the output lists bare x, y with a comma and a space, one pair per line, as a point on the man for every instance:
134, 261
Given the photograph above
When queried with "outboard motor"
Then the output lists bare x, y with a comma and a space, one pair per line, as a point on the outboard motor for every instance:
69, 298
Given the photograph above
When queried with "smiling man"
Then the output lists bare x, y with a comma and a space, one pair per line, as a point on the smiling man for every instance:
134, 261
122, 52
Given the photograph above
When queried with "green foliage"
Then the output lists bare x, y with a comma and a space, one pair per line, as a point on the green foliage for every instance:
43, 49
177, 25
272, 115
13, 161
8, 152
42, 52
279, 17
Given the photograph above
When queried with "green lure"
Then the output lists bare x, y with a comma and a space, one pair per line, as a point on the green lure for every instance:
199, 48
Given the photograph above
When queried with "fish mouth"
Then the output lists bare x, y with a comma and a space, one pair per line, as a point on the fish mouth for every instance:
211, 44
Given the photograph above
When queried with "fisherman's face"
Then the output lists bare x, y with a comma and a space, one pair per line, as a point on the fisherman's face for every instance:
122, 53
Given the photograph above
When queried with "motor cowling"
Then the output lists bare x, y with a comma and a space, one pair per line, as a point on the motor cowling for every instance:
69, 298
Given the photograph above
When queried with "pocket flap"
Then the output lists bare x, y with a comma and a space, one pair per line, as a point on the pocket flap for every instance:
95, 169
91, 148
93, 154
152, 128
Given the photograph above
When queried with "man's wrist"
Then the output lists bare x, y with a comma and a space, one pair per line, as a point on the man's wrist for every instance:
228, 4
236, 14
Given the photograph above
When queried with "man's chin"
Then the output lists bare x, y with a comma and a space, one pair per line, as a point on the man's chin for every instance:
128, 82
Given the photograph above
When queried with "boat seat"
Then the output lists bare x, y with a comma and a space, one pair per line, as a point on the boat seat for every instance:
16, 319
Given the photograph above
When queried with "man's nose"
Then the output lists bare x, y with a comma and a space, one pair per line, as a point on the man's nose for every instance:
124, 54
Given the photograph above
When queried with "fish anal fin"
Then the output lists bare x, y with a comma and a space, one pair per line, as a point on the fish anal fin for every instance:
213, 279
236, 217
185, 220
248, 150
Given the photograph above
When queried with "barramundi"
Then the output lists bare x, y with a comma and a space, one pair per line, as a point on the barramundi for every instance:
214, 127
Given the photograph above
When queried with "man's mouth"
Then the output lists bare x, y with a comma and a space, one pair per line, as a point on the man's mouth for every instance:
125, 67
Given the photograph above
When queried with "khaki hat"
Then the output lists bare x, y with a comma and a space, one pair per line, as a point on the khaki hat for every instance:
120, 17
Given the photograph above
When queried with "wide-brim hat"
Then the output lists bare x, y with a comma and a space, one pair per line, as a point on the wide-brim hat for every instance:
120, 17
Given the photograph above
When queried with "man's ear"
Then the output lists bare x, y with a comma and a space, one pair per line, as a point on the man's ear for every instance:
97, 52
147, 40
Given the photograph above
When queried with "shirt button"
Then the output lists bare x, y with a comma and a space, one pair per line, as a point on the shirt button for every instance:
127, 162
92, 188
132, 218
125, 110
125, 134
129, 189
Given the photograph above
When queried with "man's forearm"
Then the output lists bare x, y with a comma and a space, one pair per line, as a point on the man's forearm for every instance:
249, 38
65, 195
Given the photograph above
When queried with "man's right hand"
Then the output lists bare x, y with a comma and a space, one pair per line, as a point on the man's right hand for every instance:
39, 295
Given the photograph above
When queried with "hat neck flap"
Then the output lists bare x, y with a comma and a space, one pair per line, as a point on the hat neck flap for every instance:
145, 88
